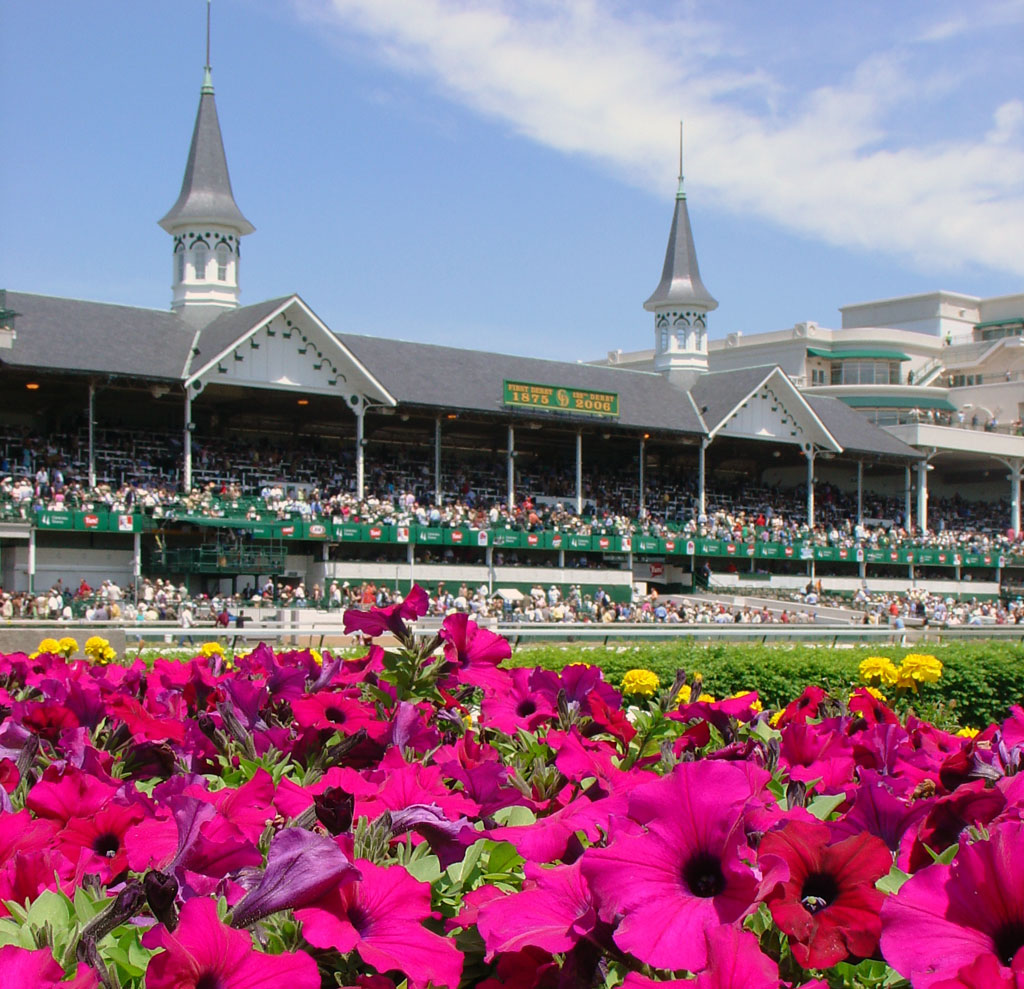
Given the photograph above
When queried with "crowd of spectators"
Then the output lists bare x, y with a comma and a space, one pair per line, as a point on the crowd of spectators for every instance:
271, 483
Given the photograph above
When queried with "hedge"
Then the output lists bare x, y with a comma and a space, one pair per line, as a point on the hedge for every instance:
980, 680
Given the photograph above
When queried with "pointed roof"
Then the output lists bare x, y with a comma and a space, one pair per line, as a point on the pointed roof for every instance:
680, 278
206, 195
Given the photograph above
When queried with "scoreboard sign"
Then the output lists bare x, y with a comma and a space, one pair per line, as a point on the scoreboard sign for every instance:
558, 398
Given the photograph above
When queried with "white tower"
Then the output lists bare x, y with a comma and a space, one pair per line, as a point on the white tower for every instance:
206, 223
681, 303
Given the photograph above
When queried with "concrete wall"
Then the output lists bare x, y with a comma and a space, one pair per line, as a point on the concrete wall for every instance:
977, 588
70, 561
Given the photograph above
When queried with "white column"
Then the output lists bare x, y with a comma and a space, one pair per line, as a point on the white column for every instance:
642, 511
908, 516
32, 560
809, 453
922, 496
511, 469
92, 434
360, 445
700, 478
579, 471
437, 461
186, 478
1015, 470
860, 491
137, 560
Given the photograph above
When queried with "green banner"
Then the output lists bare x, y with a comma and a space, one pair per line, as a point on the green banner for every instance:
561, 398
505, 537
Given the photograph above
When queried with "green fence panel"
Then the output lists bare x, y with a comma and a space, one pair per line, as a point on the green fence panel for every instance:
429, 537
55, 520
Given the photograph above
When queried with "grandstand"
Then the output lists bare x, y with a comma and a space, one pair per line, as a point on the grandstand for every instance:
219, 444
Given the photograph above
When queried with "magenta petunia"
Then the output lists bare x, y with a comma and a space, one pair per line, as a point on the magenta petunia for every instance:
204, 953
516, 704
381, 918
24, 969
553, 911
392, 619
828, 904
470, 647
685, 866
948, 918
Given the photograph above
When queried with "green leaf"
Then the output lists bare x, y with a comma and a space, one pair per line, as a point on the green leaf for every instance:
514, 817
823, 805
426, 869
892, 882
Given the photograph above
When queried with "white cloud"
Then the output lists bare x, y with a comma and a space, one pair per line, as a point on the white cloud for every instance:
598, 78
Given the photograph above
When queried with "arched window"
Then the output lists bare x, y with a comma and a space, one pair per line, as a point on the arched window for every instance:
179, 263
223, 253
200, 256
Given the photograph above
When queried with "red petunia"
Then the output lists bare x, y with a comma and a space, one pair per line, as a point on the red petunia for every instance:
828, 906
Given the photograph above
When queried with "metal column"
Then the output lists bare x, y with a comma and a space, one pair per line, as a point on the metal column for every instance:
32, 560
642, 510
809, 453
137, 561
511, 469
186, 481
437, 461
908, 516
360, 445
922, 496
92, 435
579, 471
1015, 496
700, 478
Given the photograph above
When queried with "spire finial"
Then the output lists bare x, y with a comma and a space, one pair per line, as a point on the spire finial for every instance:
207, 75
679, 193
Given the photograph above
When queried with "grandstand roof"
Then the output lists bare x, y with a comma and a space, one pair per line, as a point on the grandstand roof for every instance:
449, 377
218, 336
855, 433
206, 195
74, 335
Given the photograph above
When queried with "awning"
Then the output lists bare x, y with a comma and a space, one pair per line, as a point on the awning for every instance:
897, 402
512, 594
842, 355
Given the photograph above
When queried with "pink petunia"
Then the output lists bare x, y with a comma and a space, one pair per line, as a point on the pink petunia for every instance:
204, 953
24, 969
685, 869
963, 916
381, 918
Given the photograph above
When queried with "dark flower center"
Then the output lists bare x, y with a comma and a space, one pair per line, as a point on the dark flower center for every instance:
335, 715
818, 891
358, 918
107, 845
1009, 939
703, 875
527, 706
208, 980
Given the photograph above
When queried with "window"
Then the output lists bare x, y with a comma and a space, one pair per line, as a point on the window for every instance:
865, 372
199, 257
222, 262
179, 264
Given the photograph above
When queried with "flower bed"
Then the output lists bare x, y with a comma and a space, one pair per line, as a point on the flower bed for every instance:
426, 816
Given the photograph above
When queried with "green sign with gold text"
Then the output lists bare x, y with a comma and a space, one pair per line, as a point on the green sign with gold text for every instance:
560, 398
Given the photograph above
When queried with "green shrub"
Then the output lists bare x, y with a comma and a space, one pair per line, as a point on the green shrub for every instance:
980, 682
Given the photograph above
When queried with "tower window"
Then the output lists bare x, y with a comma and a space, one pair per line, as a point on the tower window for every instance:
179, 264
222, 262
199, 257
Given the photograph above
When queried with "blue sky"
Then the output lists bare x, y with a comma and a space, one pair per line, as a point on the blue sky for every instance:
500, 174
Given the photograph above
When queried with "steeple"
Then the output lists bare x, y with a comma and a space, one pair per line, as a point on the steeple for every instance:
681, 303
205, 222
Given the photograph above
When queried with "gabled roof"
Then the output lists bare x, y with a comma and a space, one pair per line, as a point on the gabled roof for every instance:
449, 377
856, 434
206, 195
680, 277
718, 393
73, 335
217, 337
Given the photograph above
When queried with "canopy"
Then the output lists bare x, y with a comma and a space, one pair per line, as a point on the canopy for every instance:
842, 355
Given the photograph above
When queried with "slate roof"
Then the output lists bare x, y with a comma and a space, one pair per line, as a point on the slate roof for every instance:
206, 195
855, 433
719, 392
73, 335
449, 377
680, 277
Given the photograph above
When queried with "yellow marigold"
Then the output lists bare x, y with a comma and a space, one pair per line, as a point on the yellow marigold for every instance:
968, 732
68, 646
108, 655
317, 656
920, 667
642, 682
48, 645
875, 692
95, 646
879, 668
211, 649
775, 719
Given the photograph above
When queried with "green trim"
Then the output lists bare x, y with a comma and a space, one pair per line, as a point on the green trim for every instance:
897, 402
1014, 321
842, 355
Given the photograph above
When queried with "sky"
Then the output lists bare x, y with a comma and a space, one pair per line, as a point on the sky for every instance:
500, 174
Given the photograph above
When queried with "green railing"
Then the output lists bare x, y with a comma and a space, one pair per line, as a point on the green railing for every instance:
218, 560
